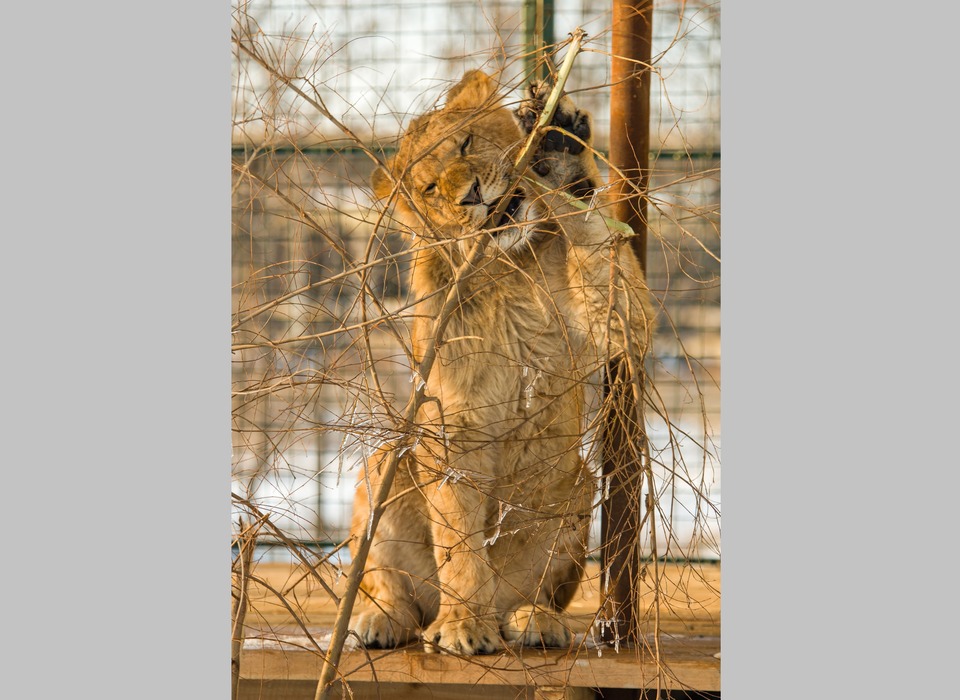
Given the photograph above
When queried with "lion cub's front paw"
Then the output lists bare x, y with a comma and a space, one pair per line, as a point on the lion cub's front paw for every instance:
567, 117
385, 629
536, 628
462, 633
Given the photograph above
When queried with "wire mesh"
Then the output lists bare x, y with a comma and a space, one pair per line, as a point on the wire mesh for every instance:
306, 410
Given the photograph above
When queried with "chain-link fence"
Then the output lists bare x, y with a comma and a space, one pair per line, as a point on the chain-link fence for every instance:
320, 292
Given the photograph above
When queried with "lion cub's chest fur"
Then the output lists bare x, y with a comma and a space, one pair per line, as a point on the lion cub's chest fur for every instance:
507, 379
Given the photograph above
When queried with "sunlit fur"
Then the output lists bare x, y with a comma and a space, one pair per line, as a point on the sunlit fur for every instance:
485, 537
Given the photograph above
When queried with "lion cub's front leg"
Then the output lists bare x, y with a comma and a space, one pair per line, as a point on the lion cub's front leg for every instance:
399, 586
467, 621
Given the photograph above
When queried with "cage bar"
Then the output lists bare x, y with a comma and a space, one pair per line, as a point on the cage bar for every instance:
623, 433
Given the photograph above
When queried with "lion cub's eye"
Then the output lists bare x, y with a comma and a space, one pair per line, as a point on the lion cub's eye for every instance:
430, 189
466, 145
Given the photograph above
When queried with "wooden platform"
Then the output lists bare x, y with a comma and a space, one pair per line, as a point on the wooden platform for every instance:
281, 656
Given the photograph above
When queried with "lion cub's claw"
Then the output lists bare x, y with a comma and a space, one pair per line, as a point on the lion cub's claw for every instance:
466, 636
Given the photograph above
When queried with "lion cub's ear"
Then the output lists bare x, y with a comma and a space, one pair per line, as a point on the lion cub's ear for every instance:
381, 182
473, 90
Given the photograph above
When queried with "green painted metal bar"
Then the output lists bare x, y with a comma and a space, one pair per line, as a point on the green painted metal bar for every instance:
538, 37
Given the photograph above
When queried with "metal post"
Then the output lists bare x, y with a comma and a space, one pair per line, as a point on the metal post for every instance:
622, 434
630, 115
546, 21
538, 36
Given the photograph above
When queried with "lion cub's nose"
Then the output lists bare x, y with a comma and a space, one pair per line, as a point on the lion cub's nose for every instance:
473, 196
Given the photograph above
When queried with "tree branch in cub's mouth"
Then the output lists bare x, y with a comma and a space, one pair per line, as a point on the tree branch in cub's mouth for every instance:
516, 199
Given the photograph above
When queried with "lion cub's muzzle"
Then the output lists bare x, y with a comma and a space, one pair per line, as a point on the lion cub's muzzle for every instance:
474, 196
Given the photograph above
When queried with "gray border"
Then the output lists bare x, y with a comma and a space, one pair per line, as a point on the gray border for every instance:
116, 350
838, 132
839, 295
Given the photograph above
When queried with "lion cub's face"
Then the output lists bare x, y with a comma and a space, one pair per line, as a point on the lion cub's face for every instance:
456, 164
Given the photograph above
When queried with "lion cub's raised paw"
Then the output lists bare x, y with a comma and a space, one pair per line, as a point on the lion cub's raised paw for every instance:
567, 117
564, 156
467, 635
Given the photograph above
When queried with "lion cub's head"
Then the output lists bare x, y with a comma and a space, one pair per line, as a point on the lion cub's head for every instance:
456, 164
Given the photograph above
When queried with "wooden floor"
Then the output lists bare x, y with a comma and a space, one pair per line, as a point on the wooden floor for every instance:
281, 655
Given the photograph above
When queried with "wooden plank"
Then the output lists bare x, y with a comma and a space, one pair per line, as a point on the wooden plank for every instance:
305, 690
542, 693
279, 652
688, 662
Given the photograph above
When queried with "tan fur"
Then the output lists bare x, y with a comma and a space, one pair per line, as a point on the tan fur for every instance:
488, 537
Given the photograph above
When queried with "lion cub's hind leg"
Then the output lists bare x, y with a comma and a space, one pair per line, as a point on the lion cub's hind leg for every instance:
534, 626
541, 620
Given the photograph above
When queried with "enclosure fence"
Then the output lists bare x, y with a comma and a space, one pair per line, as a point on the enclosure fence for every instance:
305, 412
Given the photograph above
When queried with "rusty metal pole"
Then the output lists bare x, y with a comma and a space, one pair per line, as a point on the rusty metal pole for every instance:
622, 435
630, 114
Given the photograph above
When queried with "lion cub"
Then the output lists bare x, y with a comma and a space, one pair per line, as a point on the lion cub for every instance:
486, 538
